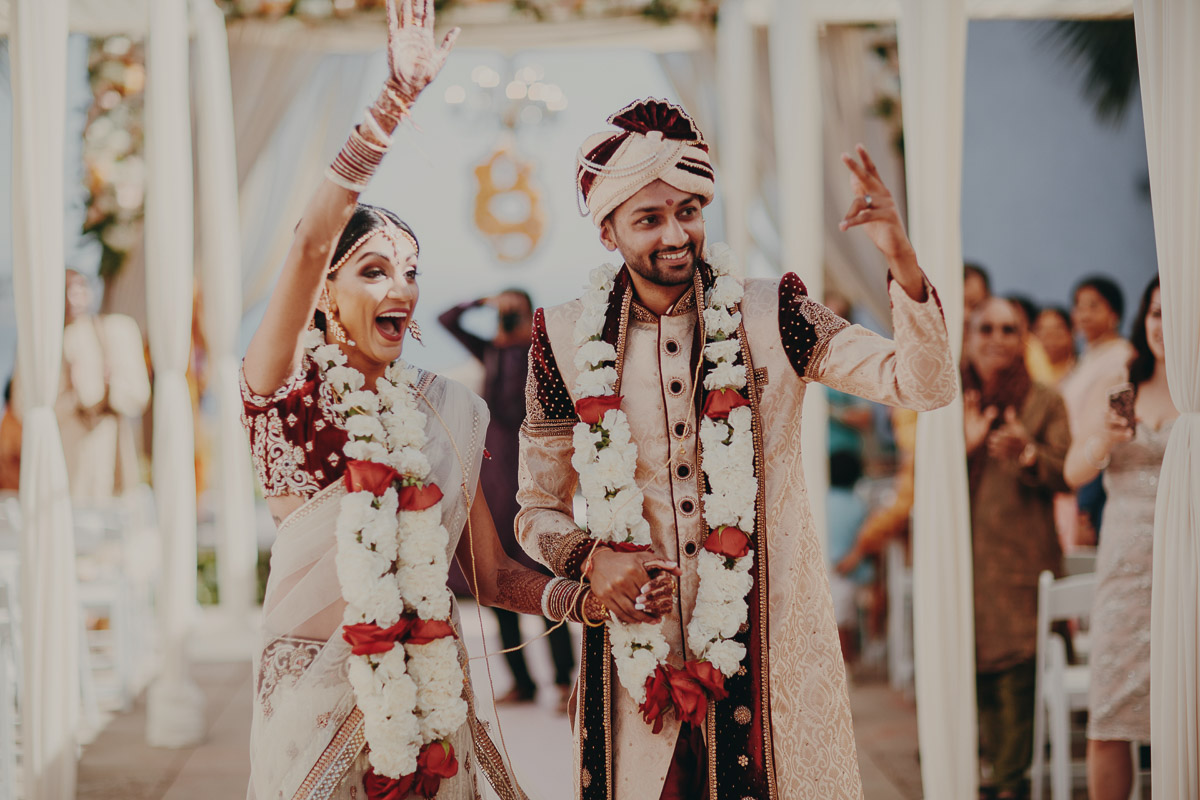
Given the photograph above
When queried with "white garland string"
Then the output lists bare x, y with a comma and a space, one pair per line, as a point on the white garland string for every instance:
606, 459
390, 563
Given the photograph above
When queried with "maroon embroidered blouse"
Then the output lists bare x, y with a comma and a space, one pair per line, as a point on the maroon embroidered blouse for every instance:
295, 439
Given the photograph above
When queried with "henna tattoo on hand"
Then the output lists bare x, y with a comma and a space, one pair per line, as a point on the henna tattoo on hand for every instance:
520, 590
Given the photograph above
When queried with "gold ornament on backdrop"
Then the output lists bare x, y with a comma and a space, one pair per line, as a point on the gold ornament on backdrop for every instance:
506, 179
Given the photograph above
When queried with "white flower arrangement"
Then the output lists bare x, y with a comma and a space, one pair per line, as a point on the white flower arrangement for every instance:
606, 459
392, 563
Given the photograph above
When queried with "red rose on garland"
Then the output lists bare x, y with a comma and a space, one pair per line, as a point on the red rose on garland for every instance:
419, 498
435, 763
709, 677
718, 404
592, 409
368, 639
369, 476
381, 787
424, 631
689, 697
728, 541
658, 698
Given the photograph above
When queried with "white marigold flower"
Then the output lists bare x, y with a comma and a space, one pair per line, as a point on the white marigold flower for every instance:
596, 382
312, 338
383, 603
722, 618
594, 353
727, 350
726, 292
365, 680
328, 355
590, 322
721, 321
601, 278
720, 257
356, 511
724, 376
726, 655
362, 425
362, 400
366, 451
359, 570
346, 379
409, 461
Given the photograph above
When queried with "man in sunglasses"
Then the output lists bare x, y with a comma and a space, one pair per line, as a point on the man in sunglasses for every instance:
1017, 438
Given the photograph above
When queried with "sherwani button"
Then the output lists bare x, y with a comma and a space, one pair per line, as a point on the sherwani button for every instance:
687, 506
690, 549
681, 429
675, 386
683, 471
671, 346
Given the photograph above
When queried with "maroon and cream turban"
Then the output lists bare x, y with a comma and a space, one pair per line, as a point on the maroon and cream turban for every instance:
657, 141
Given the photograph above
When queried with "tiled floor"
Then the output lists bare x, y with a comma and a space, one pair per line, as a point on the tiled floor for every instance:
120, 766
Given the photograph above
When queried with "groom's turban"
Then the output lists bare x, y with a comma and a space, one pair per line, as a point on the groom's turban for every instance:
657, 141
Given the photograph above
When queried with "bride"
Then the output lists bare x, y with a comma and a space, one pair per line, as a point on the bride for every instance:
371, 469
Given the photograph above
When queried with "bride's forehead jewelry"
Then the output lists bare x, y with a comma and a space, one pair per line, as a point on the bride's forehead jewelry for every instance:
390, 231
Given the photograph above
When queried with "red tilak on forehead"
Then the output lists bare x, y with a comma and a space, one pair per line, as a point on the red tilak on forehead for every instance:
670, 203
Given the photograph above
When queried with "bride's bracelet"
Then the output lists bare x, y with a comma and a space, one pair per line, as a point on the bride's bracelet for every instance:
363, 152
356, 162
557, 598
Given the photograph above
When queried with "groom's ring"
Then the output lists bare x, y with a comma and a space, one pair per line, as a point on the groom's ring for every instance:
867, 199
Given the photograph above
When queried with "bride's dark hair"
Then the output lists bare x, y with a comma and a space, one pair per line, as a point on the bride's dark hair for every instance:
364, 220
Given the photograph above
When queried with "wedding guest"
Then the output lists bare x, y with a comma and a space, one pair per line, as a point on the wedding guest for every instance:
505, 360
1053, 329
1129, 454
1036, 360
1098, 307
1017, 436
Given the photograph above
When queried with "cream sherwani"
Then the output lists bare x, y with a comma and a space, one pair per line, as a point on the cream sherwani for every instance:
811, 752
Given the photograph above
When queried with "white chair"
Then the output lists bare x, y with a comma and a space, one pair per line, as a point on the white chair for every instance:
1080, 561
1060, 688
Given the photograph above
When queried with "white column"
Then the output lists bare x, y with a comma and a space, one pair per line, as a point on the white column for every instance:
221, 287
932, 63
175, 706
50, 618
796, 96
735, 99
1169, 66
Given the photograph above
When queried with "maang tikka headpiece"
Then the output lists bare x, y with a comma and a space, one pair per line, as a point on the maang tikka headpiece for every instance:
390, 231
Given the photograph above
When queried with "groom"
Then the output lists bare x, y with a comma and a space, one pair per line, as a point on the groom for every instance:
745, 697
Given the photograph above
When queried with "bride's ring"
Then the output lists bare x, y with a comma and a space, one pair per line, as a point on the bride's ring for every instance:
867, 199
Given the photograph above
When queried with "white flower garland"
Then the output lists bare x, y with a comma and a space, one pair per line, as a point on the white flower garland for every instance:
392, 562
606, 459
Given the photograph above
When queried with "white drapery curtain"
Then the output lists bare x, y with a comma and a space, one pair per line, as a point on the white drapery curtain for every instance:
1168, 32
795, 92
221, 290
175, 716
281, 178
50, 690
933, 36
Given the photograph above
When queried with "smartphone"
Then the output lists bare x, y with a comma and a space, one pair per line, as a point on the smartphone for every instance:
1120, 400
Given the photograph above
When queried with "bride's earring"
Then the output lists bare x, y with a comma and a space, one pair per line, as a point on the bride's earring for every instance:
414, 330
334, 324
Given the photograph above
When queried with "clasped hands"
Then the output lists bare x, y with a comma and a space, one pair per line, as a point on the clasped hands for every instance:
1005, 442
635, 587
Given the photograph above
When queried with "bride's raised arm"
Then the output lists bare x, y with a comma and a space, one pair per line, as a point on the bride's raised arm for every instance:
414, 60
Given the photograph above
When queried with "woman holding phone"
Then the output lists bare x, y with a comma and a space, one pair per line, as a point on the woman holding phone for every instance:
1127, 441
